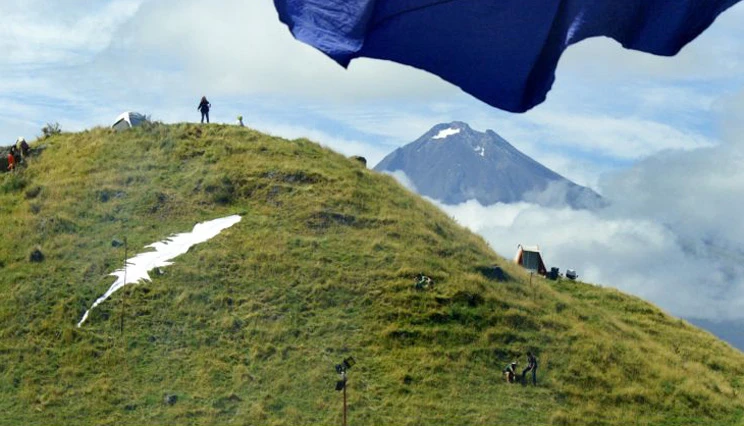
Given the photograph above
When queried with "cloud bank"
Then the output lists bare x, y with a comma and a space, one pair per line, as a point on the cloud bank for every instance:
673, 233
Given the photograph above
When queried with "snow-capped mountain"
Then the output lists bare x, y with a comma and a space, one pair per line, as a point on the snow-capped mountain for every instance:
454, 163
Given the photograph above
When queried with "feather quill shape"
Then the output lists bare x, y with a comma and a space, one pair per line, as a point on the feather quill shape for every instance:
138, 266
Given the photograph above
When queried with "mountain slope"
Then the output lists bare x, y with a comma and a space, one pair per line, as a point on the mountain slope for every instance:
246, 328
454, 163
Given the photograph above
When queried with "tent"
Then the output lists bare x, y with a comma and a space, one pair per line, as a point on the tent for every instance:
531, 259
128, 120
503, 52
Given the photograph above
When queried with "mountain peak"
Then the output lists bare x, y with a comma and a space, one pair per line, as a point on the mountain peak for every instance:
482, 166
442, 131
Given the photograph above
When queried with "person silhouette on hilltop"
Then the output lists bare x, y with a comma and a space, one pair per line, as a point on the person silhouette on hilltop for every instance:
204, 106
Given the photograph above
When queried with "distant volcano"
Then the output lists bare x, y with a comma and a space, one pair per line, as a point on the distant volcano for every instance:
454, 163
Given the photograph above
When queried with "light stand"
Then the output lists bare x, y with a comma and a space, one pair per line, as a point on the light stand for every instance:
121, 317
341, 384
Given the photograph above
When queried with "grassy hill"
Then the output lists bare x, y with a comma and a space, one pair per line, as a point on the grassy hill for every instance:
247, 327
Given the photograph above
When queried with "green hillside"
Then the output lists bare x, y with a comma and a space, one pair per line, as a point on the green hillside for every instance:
247, 327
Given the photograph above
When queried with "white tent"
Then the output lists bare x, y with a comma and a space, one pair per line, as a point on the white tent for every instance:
128, 120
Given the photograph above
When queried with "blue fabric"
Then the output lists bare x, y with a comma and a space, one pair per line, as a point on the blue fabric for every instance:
503, 52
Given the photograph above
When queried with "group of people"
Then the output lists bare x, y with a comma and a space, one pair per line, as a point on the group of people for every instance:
204, 107
18, 152
510, 372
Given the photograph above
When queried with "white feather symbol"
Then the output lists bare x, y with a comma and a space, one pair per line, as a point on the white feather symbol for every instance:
138, 266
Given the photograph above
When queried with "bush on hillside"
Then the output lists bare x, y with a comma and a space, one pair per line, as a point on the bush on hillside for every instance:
50, 129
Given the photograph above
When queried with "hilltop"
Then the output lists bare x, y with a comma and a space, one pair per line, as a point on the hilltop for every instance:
247, 327
454, 163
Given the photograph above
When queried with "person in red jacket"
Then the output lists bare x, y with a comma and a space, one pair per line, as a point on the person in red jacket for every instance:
11, 159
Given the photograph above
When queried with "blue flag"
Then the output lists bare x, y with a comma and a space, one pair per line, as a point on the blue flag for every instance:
503, 52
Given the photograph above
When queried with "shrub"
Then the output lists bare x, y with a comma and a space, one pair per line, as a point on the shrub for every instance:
51, 129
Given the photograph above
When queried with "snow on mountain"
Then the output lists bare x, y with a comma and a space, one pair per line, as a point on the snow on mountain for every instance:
446, 132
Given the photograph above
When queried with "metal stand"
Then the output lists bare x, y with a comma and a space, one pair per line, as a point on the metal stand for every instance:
121, 317
342, 384
344, 424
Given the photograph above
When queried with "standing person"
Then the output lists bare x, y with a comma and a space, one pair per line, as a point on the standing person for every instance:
531, 366
240, 121
204, 106
11, 159
22, 145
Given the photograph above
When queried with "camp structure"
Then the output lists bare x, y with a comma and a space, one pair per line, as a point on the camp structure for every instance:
530, 258
127, 120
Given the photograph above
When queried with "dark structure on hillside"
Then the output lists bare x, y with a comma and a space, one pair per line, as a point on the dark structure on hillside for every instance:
493, 272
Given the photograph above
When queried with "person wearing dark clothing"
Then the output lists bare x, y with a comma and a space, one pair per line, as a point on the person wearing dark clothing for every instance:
23, 147
531, 366
203, 107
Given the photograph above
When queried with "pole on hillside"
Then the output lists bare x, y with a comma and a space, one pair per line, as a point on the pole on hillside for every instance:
121, 317
532, 287
341, 384
344, 399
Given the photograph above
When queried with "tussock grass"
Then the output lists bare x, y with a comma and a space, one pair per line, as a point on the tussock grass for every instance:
247, 327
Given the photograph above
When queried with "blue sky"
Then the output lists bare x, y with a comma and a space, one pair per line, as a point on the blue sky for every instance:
82, 62
625, 123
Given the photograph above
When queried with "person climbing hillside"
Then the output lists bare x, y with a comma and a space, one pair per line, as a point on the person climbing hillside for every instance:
22, 146
11, 159
203, 107
422, 282
531, 366
510, 372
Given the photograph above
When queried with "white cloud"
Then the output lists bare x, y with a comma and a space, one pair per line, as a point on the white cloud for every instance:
620, 137
638, 256
36, 32
581, 171
45, 52
387, 122
343, 146
676, 98
402, 179
672, 235
241, 48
